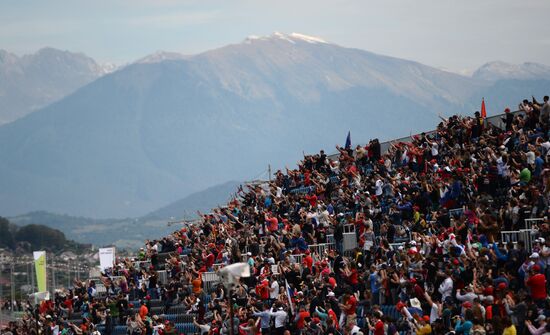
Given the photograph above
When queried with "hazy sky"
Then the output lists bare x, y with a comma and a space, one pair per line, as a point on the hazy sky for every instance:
453, 34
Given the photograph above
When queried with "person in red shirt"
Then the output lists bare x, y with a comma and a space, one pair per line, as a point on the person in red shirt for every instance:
537, 284
143, 311
307, 261
307, 178
263, 289
69, 305
332, 282
272, 222
349, 308
312, 199
209, 261
378, 328
301, 317
332, 315
352, 276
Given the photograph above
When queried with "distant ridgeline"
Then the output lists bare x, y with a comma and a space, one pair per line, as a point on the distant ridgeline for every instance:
35, 237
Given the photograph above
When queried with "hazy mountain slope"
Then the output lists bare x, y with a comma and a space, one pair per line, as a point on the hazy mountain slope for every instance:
120, 232
203, 201
131, 232
33, 81
502, 71
152, 132
509, 93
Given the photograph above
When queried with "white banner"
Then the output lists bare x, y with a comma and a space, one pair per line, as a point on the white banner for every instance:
106, 258
40, 296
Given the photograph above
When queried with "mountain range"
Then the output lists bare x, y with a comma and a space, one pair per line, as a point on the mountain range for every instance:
30, 82
129, 142
131, 232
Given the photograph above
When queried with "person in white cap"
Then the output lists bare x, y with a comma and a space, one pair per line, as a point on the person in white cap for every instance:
250, 260
541, 329
536, 260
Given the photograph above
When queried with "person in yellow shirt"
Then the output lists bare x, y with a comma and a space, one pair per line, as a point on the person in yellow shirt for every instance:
423, 326
509, 328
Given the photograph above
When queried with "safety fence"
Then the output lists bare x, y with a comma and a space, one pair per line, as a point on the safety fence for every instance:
534, 222
303, 190
100, 287
350, 238
321, 249
395, 246
142, 264
349, 241
527, 236
209, 280
163, 276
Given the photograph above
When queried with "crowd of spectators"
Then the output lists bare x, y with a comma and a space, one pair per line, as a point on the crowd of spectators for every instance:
426, 255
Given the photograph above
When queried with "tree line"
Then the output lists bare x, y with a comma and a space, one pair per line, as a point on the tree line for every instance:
34, 237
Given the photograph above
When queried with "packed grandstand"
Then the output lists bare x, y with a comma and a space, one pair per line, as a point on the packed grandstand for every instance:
445, 232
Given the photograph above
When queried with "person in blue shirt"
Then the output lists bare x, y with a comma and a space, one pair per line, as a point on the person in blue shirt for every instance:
539, 164
267, 202
464, 325
265, 318
374, 280
300, 243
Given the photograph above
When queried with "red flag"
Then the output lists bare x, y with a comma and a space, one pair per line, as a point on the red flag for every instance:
483, 110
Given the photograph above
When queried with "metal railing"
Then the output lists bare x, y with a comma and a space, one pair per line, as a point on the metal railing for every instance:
530, 223
209, 280
322, 248
350, 237
527, 236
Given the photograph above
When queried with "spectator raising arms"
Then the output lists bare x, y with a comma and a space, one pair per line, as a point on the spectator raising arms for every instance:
445, 232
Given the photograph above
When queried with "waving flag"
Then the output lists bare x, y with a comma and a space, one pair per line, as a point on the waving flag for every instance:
289, 294
348, 140
483, 110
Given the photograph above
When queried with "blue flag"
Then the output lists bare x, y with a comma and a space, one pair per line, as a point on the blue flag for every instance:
348, 140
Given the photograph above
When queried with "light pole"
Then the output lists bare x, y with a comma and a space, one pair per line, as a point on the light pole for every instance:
12, 282
32, 276
1, 293
53, 276
68, 274
230, 275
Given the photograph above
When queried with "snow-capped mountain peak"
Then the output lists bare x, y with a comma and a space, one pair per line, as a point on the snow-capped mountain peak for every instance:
160, 56
107, 68
291, 38
307, 38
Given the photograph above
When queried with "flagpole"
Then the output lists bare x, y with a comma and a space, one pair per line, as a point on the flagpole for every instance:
231, 321
1, 293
